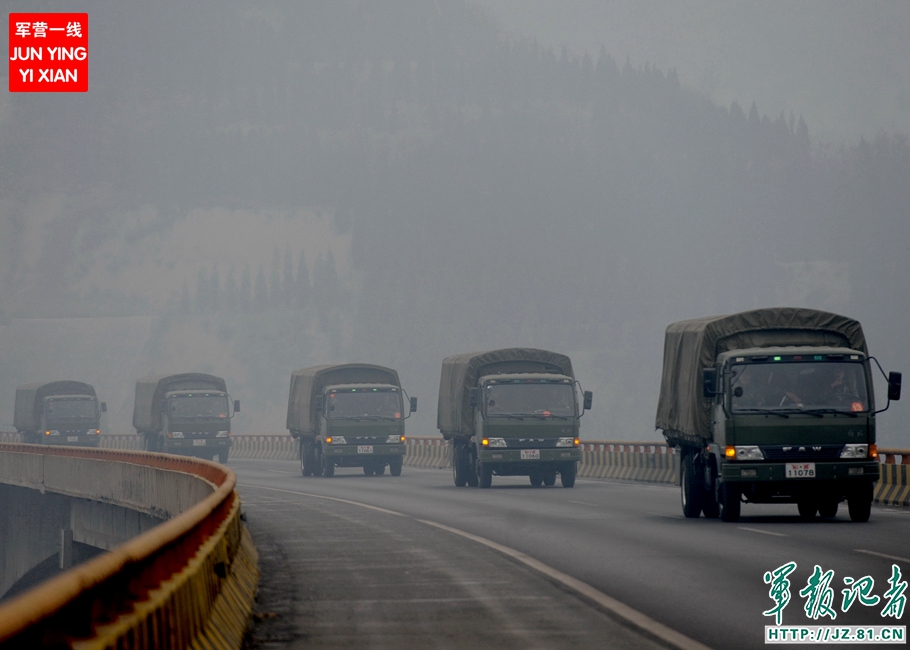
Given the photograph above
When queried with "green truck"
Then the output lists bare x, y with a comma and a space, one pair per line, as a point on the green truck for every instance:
772, 406
348, 415
511, 412
187, 414
58, 413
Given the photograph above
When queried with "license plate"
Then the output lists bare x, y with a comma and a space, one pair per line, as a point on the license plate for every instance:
530, 454
364, 449
199, 443
72, 438
800, 470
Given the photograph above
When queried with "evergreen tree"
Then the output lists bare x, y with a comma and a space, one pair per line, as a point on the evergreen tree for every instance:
202, 291
260, 292
231, 291
215, 294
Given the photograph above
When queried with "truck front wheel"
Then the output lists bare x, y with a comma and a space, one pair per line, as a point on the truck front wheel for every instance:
730, 502
307, 458
327, 466
458, 467
691, 489
566, 475
485, 474
859, 504
395, 466
222, 456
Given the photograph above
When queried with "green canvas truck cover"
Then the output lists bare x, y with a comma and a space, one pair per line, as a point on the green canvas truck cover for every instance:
29, 398
150, 391
683, 413
307, 383
460, 372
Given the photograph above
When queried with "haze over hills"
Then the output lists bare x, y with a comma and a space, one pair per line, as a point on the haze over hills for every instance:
286, 185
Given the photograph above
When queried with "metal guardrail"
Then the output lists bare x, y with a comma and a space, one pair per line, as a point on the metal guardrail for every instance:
189, 581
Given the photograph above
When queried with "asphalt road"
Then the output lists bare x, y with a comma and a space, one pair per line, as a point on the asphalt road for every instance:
336, 574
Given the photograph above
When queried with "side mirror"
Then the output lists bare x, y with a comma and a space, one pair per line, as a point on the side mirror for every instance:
319, 403
413, 405
709, 382
894, 386
589, 397
236, 405
475, 397
104, 407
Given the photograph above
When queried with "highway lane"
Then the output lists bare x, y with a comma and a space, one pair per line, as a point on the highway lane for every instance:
702, 578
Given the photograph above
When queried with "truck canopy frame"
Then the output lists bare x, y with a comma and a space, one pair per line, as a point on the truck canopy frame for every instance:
29, 397
461, 372
307, 383
152, 389
683, 412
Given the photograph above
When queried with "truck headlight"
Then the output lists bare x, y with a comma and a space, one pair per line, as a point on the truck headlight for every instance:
52, 432
495, 442
394, 439
94, 431
336, 440
222, 434
745, 452
565, 442
175, 434
855, 451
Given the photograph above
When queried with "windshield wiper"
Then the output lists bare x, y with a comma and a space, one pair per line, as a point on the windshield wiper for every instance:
821, 411
767, 411
507, 415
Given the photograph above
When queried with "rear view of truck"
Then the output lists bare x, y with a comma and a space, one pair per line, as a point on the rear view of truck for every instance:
772, 406
349, 415
511, 412
188, 414
58, 413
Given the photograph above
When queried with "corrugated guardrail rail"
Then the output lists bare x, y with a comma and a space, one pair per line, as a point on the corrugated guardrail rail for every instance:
187, 583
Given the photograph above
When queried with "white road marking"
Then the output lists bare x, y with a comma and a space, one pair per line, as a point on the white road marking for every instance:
884, 555
584, 503
763, 532
632, 616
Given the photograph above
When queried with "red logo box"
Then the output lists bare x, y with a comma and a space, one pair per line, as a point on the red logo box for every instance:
48, 53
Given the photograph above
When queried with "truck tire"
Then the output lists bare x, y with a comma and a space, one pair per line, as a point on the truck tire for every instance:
859, 504
222, 456
828, 508
307, 458
459, 475
471, 472
395, 466
379, 468
328, 467
368, 469
691, 487
807, 508
485, 475
710, 507
567, 475
730, 502
549, 477
536, 477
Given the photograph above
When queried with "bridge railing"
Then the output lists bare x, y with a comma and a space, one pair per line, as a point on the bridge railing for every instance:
190, 580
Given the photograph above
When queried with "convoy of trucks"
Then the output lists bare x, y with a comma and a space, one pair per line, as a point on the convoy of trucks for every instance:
772, 406
511, 412
188, 414
348, 415
58, 413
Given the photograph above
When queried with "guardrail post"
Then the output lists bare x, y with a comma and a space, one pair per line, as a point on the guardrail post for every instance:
66, 548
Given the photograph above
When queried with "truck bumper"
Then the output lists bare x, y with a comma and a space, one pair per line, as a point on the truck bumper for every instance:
357, 455
505, 456
828, 471
92, 440
196, 446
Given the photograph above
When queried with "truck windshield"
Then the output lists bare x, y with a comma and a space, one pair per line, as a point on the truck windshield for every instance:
198, 406
827, 385
525, 398
369, 403
70, 407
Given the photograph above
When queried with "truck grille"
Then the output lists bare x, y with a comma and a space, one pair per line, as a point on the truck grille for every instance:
802, 452
530, 443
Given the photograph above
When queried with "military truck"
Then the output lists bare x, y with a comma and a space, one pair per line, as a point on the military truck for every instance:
58, 413
772, 406
348, 415
511, 412
188, 414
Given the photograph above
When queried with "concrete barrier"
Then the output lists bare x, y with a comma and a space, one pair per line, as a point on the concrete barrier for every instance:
188, 582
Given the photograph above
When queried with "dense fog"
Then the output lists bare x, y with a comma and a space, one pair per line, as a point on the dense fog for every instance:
250, 189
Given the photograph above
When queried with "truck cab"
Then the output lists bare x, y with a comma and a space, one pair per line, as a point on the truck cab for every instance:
70, 420
527, 424
792, 425
362, 425
197, 422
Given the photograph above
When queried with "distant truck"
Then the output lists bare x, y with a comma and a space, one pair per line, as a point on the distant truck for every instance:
58, 413
771, 406
348, 415
188, 414
511, 412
